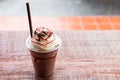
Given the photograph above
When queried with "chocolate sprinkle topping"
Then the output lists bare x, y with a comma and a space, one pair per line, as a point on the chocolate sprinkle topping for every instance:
42, 34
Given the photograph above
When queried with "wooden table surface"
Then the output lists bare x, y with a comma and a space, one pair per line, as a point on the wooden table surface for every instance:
84, 55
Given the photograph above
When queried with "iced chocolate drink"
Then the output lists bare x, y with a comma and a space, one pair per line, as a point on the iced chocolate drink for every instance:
43, 47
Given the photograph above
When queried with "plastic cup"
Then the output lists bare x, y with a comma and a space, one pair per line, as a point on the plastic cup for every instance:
43, 62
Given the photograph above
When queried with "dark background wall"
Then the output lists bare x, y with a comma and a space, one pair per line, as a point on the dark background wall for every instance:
60, 7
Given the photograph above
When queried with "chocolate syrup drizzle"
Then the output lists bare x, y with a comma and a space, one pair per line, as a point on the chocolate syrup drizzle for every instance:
42, 34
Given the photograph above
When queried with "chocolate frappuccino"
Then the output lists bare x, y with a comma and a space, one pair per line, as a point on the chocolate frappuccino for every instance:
43, 47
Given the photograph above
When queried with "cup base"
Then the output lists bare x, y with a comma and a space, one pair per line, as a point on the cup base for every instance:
44, 78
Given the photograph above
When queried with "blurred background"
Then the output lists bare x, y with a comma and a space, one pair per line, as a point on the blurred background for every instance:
60, 7
13, 12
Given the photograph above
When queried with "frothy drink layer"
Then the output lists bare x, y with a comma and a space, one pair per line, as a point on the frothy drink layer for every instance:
43, 40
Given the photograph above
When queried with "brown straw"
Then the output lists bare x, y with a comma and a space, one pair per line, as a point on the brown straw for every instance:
29, 18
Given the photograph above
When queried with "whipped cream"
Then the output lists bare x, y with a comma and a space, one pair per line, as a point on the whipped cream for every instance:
43, 40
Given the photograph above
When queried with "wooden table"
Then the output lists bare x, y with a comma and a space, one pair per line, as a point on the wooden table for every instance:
84, 55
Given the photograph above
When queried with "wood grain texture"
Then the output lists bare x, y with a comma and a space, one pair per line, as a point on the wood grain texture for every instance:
84, 55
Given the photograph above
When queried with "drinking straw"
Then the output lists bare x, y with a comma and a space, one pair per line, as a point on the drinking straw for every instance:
29, 18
